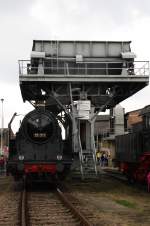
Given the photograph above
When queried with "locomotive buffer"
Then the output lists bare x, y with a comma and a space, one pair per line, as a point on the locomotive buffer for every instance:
81, 78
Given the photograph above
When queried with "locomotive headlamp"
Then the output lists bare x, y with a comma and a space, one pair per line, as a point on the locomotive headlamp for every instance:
59, 157
21, 157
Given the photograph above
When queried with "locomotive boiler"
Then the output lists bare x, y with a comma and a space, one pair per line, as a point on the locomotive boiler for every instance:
38, 150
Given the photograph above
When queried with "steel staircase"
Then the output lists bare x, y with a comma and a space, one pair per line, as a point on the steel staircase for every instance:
87, 158
88, 166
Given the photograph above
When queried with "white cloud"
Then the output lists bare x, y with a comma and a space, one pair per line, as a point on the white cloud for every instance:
140, 35
137, 101
23, 21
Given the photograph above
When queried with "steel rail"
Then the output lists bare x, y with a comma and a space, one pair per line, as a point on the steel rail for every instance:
23, 218
76, 213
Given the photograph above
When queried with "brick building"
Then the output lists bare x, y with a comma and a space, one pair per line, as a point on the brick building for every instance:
133, 120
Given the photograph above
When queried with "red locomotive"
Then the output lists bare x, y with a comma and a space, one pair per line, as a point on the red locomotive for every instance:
133, 150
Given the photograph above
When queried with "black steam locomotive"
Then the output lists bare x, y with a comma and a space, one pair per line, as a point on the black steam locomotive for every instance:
38, 150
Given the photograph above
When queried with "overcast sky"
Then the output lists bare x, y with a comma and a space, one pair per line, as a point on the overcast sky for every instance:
21, 21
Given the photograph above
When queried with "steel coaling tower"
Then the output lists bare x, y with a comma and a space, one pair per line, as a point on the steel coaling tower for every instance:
81, 78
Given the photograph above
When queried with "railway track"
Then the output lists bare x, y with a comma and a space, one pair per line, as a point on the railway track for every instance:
118, 176
50, 208
115, 175
9, 210
9, 201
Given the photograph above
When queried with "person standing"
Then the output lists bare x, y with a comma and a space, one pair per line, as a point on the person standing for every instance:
103, 160
98, 156
2, 164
